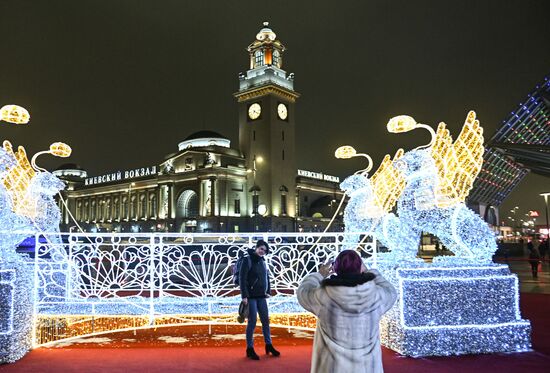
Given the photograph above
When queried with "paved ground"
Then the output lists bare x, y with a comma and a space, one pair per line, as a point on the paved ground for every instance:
521, 267
528, 284
221, 349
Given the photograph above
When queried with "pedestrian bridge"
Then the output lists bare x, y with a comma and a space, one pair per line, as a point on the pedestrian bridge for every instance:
94, 283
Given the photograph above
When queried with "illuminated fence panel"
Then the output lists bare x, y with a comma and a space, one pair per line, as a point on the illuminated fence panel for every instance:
171, 274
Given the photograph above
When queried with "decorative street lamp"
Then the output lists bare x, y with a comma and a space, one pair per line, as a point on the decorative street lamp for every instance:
14, 114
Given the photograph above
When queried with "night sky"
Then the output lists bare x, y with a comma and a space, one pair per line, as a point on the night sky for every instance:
123, 82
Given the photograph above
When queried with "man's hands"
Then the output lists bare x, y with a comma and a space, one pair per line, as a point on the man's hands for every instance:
245, 300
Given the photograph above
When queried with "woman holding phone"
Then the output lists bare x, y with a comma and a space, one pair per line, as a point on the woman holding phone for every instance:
348, 306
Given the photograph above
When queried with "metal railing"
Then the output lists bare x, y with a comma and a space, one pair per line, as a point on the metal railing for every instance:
161, 274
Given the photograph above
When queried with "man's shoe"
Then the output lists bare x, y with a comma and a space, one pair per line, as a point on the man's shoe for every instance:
251, 354
272, 350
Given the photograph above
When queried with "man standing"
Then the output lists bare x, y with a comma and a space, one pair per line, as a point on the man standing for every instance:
255, 289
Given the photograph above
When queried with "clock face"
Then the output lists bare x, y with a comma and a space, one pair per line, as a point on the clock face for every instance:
254, 111
282, 111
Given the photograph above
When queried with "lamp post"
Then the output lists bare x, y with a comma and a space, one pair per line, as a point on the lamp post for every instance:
515, 219
545, 195
254, 189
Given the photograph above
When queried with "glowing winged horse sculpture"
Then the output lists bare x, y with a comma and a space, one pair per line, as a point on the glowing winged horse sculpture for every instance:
430, 185
26, 194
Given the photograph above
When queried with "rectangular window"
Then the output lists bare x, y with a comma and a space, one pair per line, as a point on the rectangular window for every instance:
283, 135
253, 135
237, 206
283, 154
283, 204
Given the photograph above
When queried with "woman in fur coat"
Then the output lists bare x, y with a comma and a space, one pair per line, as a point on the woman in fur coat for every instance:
348, 307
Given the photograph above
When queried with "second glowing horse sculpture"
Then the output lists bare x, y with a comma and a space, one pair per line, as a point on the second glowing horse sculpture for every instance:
427, 188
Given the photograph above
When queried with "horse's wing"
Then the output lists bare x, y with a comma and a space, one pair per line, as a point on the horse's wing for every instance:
387, 185
17, 182
458, 163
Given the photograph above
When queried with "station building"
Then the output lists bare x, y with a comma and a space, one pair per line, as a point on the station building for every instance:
210, 185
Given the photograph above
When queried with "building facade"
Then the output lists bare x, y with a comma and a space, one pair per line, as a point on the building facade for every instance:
210, 186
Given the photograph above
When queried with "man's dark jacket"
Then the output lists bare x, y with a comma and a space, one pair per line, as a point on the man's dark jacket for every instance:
254, 277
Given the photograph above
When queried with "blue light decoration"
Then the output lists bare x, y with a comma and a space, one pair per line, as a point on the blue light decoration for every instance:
32, 191
459, 304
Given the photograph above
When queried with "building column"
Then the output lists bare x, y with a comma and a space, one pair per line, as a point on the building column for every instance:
212, 196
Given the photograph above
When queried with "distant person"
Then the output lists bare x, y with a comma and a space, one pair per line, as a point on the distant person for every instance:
255, 289
348, 306
534, 255
543, 248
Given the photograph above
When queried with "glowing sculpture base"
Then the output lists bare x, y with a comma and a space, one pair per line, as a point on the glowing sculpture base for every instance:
455, 310
15, 309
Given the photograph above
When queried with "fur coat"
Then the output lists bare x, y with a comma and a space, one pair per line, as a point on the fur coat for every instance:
348, 311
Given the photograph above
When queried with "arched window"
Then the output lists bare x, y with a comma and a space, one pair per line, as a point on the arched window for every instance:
116, 209
188, 204
107, 212
153, 206
284, 190
490, 215
142, 206
255, 203
100, 205
125, 206
276, 58
86, 211
93, 211
133, 207
79, 211
258, 58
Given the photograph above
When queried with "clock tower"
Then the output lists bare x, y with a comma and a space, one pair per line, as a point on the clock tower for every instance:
266, 100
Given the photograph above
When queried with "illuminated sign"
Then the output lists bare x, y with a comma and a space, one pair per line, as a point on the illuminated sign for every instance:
121, 175
318, 176
533, 214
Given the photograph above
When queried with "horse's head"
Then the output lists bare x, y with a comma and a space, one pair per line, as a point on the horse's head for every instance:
45, 183
355, 183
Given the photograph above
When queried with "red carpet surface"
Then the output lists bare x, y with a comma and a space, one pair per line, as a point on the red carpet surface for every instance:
221, 349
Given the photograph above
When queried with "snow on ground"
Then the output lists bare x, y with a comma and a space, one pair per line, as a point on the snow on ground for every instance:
170, 339
98, 340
